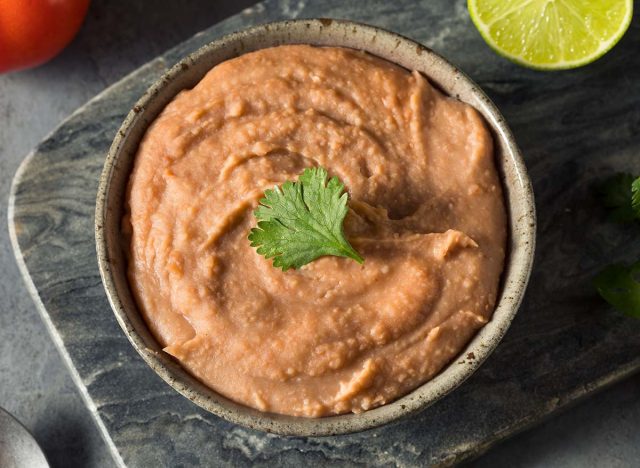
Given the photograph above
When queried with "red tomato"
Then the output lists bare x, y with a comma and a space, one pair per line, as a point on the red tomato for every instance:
34, 31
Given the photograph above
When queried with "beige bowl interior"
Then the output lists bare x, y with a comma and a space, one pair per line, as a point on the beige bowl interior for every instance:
390, 46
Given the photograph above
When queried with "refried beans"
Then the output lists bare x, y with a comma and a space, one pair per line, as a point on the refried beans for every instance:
426, 212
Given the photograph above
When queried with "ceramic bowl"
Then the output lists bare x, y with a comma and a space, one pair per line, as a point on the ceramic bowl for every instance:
385, 44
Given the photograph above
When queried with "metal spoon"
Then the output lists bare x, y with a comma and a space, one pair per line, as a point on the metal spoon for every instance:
18, 448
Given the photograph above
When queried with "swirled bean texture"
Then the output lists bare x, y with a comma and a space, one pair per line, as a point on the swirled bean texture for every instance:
426, 212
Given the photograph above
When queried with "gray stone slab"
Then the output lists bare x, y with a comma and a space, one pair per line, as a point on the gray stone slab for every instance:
574, 128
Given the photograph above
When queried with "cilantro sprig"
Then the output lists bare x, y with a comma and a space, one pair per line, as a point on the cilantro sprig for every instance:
301, 221
635, 197
619, 285
621, 194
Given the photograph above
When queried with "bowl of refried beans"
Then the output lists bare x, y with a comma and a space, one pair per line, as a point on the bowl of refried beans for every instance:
426, 189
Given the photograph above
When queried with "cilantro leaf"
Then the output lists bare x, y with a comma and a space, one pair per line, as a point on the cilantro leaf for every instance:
619, 285
301, 221
622, 194
635, 197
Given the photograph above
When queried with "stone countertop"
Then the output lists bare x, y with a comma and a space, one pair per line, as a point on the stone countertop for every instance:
117, 37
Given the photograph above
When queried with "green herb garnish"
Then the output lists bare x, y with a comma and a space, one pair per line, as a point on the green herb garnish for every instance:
635, 197
619, 285
301, 221
621, 193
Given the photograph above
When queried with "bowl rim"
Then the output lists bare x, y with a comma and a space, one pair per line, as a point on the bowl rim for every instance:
518, 262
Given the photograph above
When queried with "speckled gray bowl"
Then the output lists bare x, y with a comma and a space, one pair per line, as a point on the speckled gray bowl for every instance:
398, 49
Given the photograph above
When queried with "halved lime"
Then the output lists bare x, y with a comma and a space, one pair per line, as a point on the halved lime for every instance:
551, 34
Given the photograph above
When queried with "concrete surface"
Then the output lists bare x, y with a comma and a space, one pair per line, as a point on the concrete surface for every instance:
35, 386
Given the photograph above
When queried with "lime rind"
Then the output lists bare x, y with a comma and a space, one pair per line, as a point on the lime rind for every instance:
551, 42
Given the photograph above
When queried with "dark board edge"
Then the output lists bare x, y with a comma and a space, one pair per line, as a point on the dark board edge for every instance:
46, 318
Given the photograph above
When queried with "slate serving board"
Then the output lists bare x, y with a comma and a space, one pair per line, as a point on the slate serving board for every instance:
574, 128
